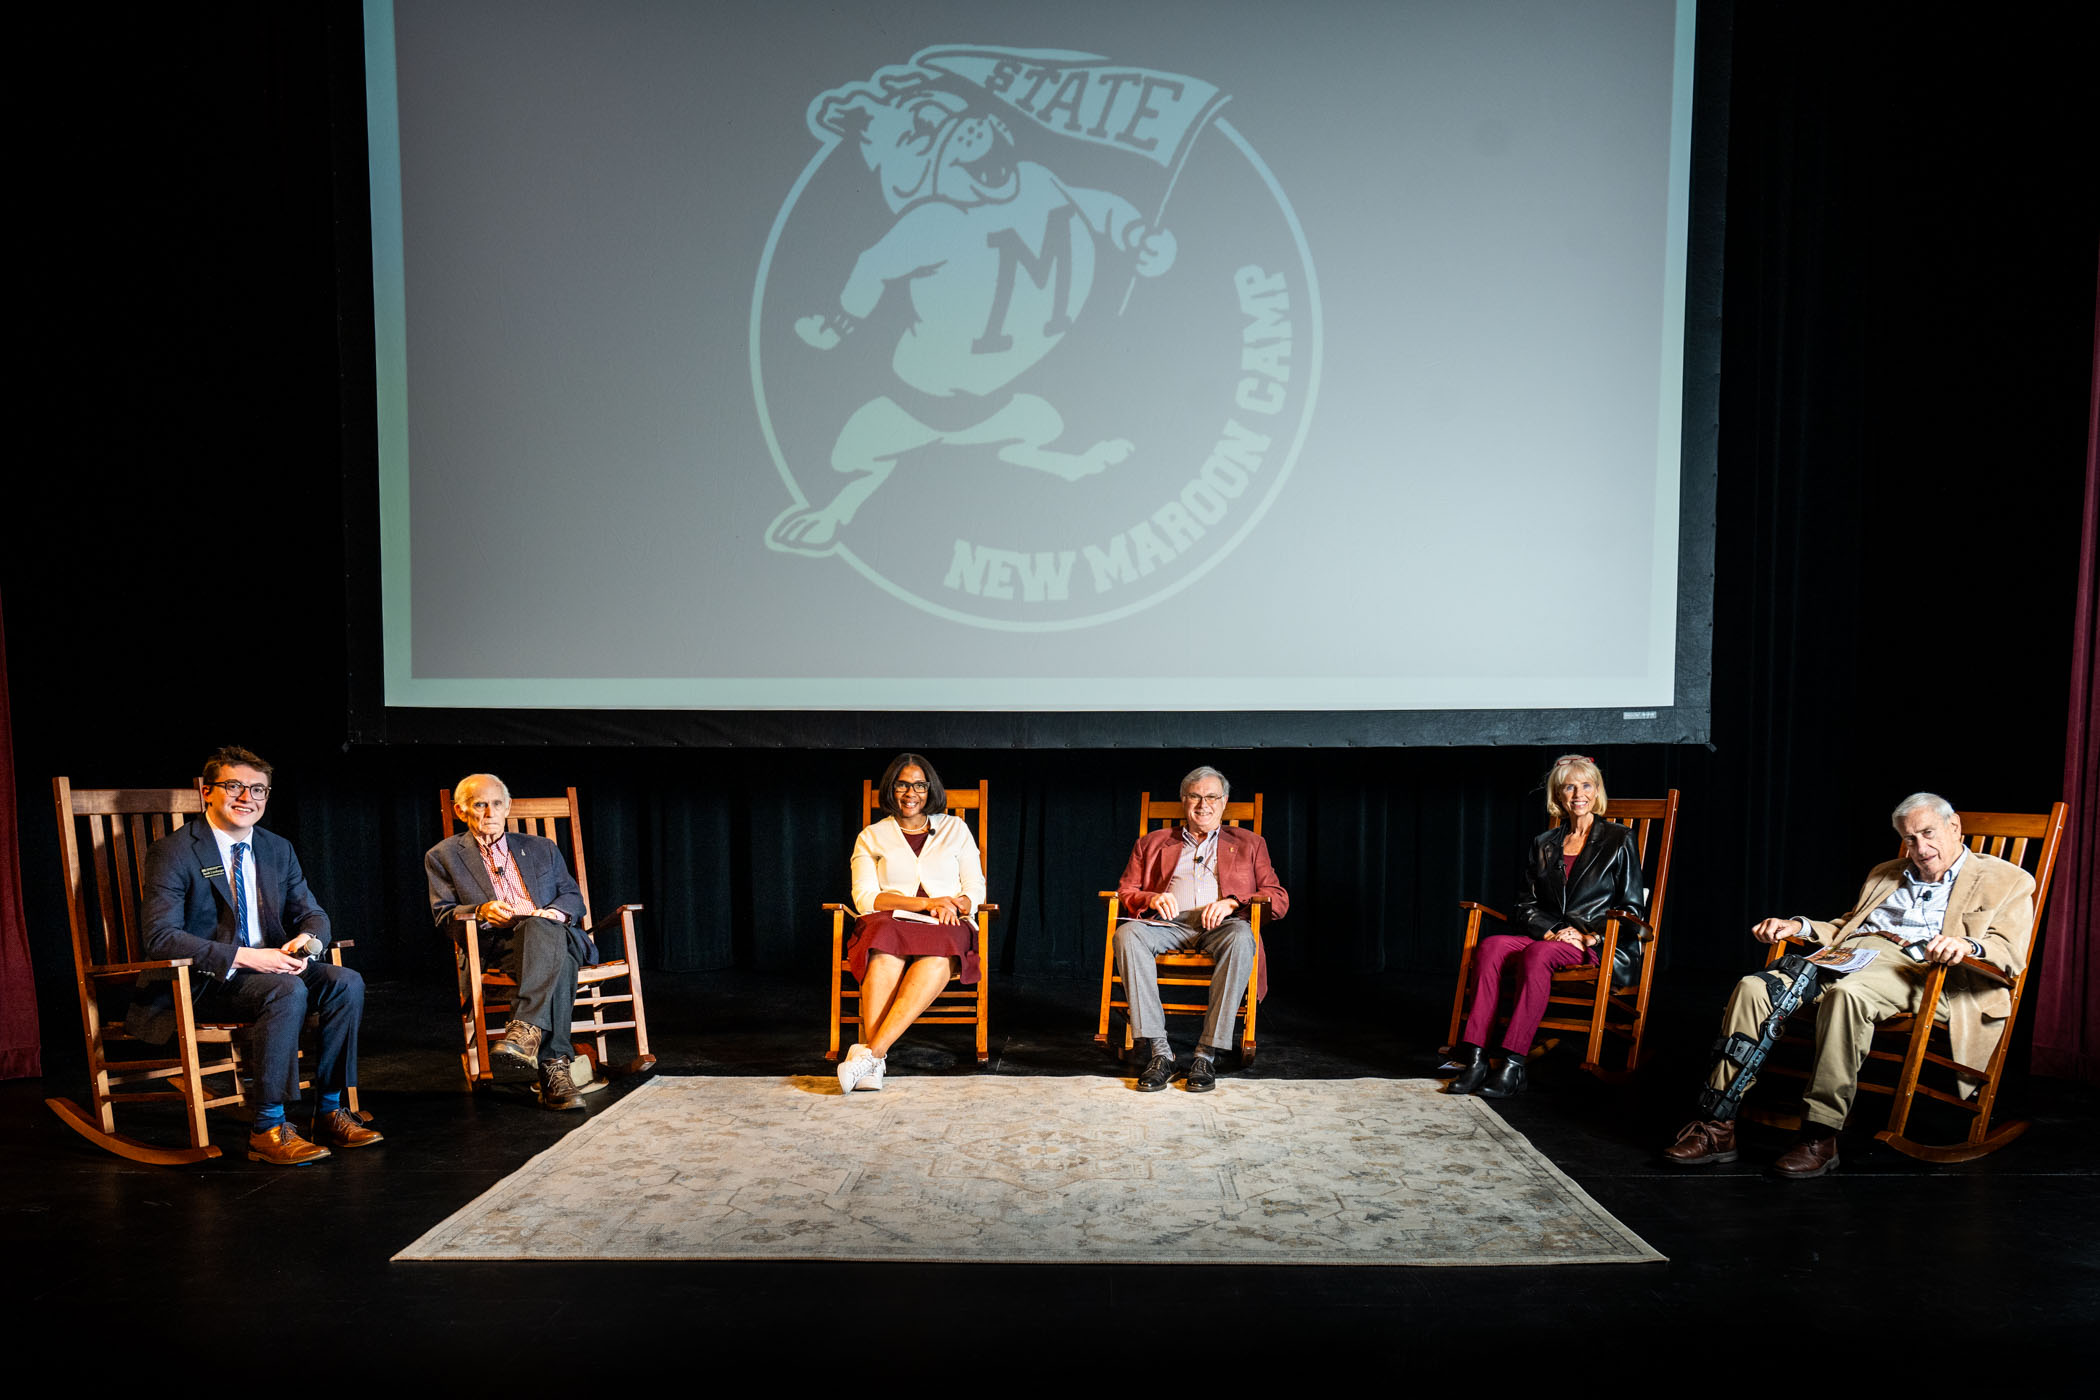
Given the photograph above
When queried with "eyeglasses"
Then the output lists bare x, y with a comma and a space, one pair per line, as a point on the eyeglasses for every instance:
1203, 799
234, 787
914, 787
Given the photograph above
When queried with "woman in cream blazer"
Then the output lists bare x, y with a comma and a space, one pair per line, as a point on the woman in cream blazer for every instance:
917, 880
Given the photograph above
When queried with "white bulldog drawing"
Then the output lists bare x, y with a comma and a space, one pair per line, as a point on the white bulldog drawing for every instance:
999, 257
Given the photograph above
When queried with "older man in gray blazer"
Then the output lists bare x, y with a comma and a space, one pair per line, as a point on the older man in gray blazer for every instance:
519, 889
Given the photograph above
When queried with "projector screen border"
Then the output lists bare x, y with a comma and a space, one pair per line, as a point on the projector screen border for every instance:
370, 720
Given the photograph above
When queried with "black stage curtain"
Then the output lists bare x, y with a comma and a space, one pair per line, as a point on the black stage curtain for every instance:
1909, 278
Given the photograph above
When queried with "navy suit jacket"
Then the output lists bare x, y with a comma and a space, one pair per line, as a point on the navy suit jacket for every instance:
459, 884
189, 914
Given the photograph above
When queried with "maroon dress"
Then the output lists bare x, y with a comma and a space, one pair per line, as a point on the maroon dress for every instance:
883, 932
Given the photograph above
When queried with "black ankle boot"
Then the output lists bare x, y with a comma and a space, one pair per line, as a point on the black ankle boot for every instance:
1464, 1055
1507, 1080
1472, 1068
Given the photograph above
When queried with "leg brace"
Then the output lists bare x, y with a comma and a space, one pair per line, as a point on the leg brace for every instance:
1792, 982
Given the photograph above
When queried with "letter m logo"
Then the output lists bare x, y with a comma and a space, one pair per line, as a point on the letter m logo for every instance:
1055, 261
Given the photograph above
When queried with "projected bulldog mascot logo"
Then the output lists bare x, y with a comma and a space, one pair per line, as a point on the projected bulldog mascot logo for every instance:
967, 314
970, 218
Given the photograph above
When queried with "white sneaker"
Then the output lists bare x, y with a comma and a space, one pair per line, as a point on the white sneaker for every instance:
858, 1064
873, 1078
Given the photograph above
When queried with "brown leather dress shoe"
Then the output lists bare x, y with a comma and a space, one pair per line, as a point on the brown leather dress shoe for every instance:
341, 1129
1700, 1142
283, 1147
1814, 1154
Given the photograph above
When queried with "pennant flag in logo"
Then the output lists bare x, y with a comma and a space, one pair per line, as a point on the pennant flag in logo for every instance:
1088, 98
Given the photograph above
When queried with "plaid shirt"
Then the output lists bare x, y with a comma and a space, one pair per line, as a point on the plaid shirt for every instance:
504, 878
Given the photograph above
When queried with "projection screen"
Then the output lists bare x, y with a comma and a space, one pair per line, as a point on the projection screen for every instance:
1071, 357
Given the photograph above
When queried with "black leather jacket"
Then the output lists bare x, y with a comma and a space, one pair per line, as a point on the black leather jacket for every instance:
1607, 876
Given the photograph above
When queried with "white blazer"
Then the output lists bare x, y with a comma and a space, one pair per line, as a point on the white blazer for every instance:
882, 860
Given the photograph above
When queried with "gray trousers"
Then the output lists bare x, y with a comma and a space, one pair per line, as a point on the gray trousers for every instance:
540, 955
1230, 943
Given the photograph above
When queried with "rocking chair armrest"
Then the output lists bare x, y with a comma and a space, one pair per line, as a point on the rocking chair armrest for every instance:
1984, 970
848, 909
1780, 947
1976, 965
1249, 901
1627, 916
627, 909
135, 968
1491, 913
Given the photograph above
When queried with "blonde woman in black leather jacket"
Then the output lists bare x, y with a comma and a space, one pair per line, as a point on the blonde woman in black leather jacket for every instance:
1573, 874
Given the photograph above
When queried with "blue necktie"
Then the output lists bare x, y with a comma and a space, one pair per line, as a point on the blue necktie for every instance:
240, 892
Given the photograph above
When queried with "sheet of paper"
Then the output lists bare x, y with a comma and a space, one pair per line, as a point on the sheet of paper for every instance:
1841, 960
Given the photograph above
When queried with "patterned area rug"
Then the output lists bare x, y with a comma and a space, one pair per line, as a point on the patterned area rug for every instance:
1041, 1170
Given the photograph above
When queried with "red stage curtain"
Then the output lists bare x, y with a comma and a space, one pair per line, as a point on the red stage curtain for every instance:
2067, 1026
20, 1053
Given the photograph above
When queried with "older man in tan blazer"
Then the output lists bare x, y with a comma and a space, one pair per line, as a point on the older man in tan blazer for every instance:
1939, 902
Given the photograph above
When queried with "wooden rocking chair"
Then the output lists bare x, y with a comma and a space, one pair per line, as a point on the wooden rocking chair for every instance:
484, 992
1606, 1011
2010, 836
956, 1004
1184, 969
119, 824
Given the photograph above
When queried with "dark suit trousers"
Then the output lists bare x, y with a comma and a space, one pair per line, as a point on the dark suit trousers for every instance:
538, 955
277, 1003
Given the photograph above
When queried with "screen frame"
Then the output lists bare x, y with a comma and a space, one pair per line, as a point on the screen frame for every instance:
1687, 719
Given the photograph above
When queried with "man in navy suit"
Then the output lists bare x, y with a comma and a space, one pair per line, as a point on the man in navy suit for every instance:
231, 898
518, 888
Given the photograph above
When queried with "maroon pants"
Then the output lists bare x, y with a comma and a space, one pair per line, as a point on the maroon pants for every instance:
1536, 961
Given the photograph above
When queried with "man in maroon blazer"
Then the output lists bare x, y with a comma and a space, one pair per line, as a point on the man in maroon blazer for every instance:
1188, 887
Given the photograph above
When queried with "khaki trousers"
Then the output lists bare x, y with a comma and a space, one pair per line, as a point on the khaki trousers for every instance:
1847, 1009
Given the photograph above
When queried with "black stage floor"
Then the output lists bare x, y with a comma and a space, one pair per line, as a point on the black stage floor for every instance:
1991, 1264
